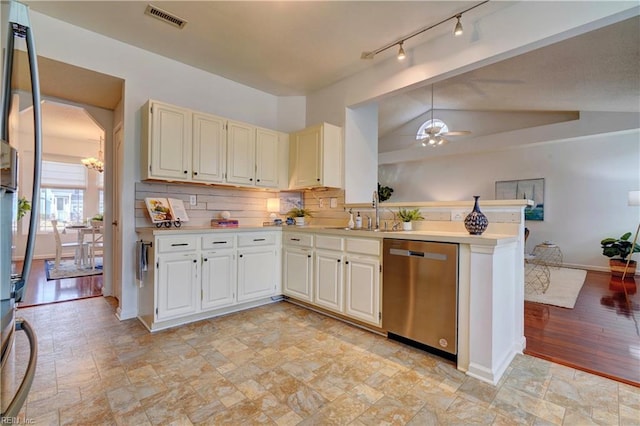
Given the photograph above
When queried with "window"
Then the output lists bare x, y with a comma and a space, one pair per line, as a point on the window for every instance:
62, 193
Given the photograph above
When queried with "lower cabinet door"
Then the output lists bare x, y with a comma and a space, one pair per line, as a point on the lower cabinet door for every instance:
328, 273
297, 273
257, 273
178, 285
218, 279
363, 289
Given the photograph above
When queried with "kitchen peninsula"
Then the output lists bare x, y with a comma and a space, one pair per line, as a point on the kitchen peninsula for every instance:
490, 274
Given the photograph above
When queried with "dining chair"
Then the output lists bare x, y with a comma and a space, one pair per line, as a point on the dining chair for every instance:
61, 246
97, 244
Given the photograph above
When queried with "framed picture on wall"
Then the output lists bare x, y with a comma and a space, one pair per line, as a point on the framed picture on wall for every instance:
525, 189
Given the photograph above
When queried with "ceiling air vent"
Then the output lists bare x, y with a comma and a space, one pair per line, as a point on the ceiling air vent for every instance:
165, 16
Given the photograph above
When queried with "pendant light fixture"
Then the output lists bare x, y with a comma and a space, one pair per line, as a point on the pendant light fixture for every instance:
96, 164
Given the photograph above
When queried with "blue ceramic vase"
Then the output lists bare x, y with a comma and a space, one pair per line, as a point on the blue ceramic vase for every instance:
476, 222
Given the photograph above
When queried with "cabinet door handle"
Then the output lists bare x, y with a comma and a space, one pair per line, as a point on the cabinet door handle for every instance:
295, 239
219, 242
258, 239
179, 244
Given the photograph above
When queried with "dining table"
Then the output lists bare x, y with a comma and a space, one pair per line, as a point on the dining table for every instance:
83, 230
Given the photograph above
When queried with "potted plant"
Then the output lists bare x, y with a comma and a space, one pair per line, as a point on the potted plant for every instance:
96, 221
23, 207
407, 216
384, 192
299, 213
619, 249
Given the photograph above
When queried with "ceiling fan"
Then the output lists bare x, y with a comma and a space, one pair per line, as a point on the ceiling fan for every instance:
432, 132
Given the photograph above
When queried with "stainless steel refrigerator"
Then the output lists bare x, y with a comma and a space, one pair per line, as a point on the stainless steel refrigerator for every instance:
15, 379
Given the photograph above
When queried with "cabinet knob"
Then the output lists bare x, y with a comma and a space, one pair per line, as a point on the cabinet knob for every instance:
308, 255
195, 173
241, 255
195, 261
338, 260
205, 259
257, 180
250, 179
318, 179
185, 172
347, 262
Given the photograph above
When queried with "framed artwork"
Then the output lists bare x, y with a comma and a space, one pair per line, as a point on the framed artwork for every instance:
527, 189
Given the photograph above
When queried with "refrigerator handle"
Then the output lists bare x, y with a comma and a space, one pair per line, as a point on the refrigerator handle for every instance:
37, 150
21, 395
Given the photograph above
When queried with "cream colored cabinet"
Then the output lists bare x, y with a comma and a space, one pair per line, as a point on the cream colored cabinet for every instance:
329, 288
363, 289
209, 148
316, 157
298, 265
166, 142
241, 153
258, 265
177, 287
268, 148
218, 279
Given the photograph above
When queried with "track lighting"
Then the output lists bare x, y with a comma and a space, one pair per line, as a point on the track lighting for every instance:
458, 29
401, 53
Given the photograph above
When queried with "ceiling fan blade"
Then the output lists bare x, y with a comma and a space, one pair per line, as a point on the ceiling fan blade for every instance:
457, 133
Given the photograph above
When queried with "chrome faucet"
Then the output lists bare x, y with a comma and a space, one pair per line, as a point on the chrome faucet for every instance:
374, 204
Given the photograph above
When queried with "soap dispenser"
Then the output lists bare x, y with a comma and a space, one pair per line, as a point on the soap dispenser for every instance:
358, 221
350, 225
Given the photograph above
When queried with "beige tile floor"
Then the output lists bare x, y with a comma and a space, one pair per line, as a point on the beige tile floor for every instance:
282, 364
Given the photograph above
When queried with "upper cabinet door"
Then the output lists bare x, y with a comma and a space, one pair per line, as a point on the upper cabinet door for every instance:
170, 142
241, 153
306, 158
209, 148
267, 156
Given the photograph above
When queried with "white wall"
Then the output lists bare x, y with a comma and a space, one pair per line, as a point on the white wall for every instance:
586, 185
148, 75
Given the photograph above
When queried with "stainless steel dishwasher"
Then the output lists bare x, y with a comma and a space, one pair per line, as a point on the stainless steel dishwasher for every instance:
420, 294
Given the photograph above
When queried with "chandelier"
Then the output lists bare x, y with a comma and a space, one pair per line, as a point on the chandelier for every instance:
96, 164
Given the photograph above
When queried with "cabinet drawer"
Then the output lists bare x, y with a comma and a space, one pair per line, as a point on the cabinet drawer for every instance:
217, 241
298, 240
176, 244
363, 246
258, 239
329, 242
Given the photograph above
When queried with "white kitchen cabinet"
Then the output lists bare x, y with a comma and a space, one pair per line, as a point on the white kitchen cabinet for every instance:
218, 279
166, 142
209, 148
241, 153
316, 157
268, 147
298, 273
363, 288
258, 265
329, 274
178, 285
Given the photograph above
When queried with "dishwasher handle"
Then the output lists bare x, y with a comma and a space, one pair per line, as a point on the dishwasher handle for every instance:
423, 255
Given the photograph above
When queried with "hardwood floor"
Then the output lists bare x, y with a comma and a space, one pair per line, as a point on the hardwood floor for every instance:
599, 335
40, 291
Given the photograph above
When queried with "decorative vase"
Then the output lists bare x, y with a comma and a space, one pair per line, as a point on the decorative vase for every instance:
406, 226
299, 220
476, 222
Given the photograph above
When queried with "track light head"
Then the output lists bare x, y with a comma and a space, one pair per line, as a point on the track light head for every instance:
458, 29
401, 53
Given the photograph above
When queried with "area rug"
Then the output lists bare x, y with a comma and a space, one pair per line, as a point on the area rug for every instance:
68, 269
564, 286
